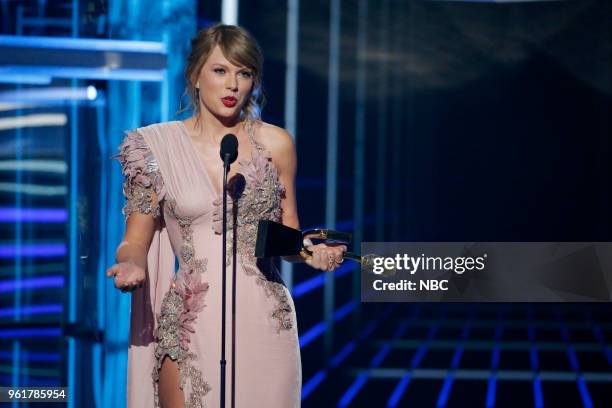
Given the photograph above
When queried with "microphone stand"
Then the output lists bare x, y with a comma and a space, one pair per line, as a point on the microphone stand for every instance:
234, 250
223, 279
229, 153
223, 288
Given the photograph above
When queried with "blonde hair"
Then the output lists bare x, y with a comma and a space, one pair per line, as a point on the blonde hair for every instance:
240, 48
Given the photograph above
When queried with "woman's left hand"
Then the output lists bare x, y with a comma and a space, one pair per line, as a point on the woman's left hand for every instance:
326, 257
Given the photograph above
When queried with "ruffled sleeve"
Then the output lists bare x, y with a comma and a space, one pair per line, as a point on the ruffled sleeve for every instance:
142, 176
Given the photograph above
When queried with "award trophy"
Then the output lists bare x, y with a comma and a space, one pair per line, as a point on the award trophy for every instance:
275, 239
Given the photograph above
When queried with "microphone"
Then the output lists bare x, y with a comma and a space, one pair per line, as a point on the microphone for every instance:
229, 148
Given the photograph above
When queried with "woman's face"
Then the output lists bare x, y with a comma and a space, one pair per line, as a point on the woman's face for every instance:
224, 87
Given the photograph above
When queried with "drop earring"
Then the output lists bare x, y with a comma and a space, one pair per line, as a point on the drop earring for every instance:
197, 92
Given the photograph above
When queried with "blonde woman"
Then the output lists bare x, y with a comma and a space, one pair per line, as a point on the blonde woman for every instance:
173, 185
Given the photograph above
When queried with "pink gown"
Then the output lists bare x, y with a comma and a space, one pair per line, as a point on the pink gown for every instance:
178, 313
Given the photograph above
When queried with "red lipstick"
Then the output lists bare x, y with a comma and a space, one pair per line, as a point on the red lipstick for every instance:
229, 101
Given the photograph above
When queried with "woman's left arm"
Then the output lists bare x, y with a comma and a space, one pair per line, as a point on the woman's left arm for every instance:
281, 146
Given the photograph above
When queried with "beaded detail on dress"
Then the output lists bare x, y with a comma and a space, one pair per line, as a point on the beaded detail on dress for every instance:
179, 310
142, 176
257, 197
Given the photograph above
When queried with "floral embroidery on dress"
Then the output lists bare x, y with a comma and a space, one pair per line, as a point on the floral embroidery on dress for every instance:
179, 310
258, 198
142, 176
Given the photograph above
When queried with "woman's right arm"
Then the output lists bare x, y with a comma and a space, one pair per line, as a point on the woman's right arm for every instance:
144, 190
129, 271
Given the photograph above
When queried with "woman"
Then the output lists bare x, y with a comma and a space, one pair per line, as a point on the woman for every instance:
173, 185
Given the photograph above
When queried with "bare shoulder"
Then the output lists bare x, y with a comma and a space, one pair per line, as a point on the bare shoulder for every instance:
280, 144
275, 139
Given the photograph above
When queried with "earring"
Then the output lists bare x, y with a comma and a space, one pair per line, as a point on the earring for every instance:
197, 91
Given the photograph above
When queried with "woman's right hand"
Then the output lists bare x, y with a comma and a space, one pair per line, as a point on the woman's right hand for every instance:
128, 276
